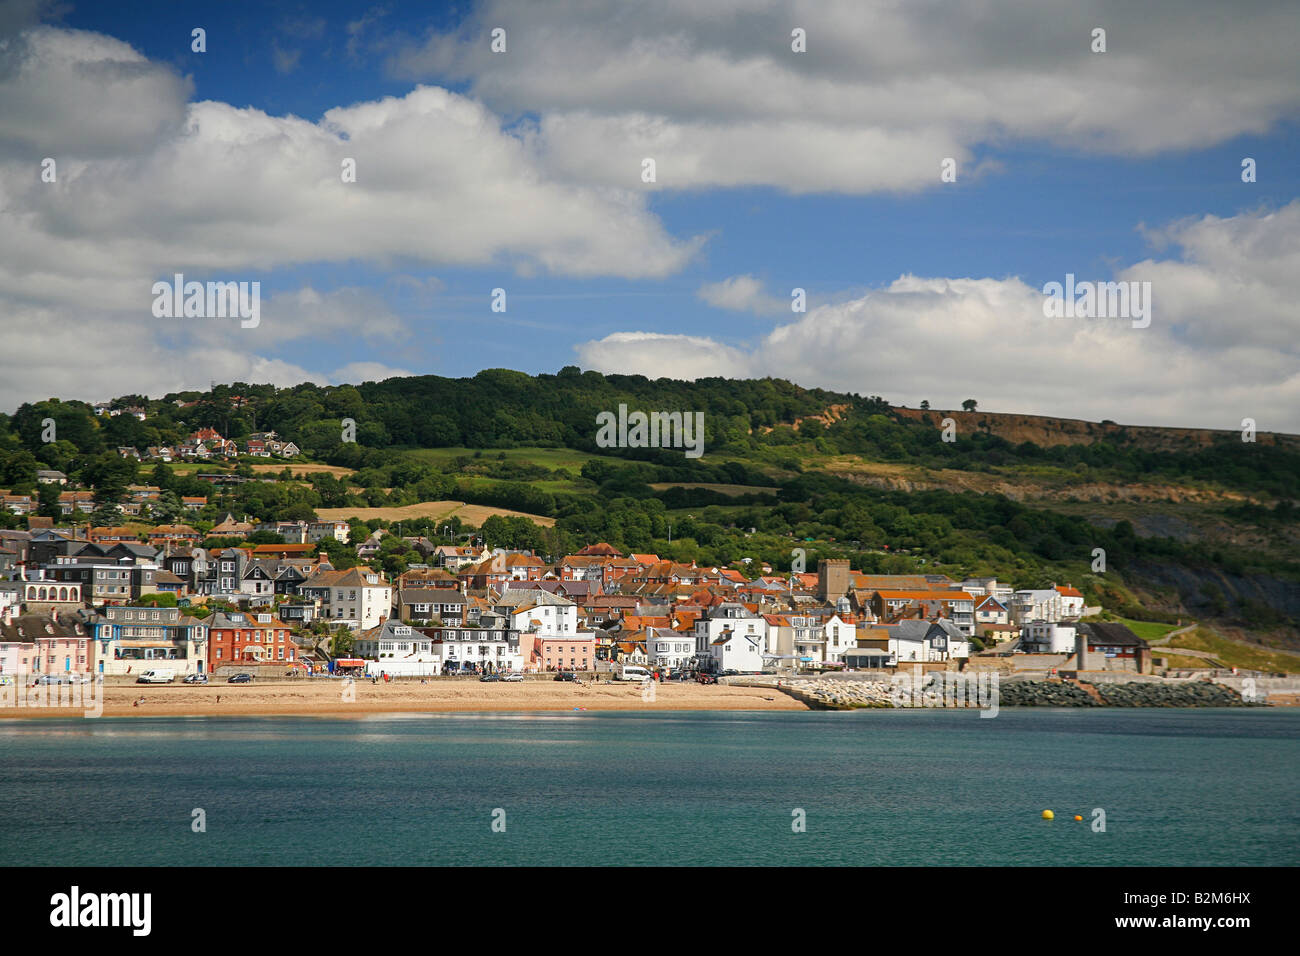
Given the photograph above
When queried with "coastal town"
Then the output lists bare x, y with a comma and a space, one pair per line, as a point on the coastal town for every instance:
144, 602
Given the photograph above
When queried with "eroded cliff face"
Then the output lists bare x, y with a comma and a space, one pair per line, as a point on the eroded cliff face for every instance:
1232, 603
1047, 431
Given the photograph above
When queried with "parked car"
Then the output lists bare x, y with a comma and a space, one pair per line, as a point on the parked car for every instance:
51, 679
512, 677
196, 679
706, 678
489, 677
239, 679
566, 675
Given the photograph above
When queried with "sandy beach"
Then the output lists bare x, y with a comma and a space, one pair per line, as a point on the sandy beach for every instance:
326, 698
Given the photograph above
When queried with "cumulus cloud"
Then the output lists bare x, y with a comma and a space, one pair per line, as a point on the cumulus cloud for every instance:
149, 186
1223, 344
73, 93
884, 92
742, 294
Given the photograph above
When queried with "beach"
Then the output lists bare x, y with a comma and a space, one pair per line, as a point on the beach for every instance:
326, 698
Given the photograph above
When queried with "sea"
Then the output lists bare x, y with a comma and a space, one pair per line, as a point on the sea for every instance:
1158, 787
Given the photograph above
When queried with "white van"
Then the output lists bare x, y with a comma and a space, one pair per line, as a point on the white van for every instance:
635, 672
160, 676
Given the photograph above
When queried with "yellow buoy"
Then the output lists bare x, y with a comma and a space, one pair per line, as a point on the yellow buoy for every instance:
1049, 815
1078, 819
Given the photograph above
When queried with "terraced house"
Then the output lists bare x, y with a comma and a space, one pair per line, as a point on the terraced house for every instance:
238, 638
131, 639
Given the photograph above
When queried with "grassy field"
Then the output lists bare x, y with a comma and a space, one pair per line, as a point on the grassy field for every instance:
567, 458
473, 514
338, 471
1235, 654
721, 489
1149, 630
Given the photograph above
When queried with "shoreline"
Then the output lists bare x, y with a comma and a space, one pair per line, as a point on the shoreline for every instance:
327, 699
286, 699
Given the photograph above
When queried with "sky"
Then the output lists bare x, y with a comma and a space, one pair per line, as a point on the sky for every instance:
523, 169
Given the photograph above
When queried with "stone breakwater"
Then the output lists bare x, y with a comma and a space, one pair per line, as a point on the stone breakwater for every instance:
1134, 694
839, 694
823, 694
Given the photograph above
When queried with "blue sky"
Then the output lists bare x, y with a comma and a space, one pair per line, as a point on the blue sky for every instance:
1046, 186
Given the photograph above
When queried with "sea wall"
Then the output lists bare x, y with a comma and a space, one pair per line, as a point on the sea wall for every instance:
841, 694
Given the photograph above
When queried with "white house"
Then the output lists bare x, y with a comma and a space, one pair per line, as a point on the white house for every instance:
1071, 602
733, 618
398, 649
669, 649
732, 650
357, 594
1047, 637
1036, 605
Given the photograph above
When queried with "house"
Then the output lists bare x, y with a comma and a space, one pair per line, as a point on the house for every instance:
112, 534
108, 573
736, 650
48, 477
173, 534
1111, 646
1071, 602
370, 547
74, 501
356, 595
732, 618
230, 528
194, 502
484, 642
320, 530
431, 605
398, 649
1036, 604
989, 610
132, 638
537, 610
239, 638
50, 643
567, 652
957, 606
669, 650
19, 504
1047, 637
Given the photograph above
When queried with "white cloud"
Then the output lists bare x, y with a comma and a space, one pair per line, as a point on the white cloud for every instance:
149, 186
742, 294
69, 93
885, 91
1223, 344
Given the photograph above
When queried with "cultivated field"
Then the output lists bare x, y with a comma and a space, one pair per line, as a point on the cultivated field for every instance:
473, 514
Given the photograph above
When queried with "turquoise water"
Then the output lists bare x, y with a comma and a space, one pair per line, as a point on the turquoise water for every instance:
880, 787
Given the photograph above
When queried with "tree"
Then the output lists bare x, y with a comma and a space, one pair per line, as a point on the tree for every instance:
49, 508
968, 405
342, 642
925, 405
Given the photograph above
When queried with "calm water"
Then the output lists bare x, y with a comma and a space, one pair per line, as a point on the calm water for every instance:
1179, 787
